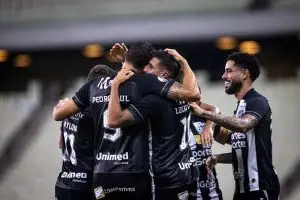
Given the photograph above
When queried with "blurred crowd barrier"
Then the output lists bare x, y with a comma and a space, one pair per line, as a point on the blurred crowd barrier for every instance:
15, 107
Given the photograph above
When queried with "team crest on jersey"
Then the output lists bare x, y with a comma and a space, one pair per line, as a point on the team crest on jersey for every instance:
104, 83
99, 192
161, 79
183, 195
199, 126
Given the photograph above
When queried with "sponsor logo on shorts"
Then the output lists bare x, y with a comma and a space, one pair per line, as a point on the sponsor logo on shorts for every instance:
183, 195
119, 189
99, 192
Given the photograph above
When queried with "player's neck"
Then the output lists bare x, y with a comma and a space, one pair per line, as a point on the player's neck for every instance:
243, 91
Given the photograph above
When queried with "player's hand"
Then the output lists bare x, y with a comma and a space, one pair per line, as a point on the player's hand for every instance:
197, 110
176, 55
206, 137
211, 162
118, 52
123, 75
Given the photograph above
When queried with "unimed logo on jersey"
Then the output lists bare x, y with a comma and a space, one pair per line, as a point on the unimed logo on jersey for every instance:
74, 175
104, 83
186, 165
113, 157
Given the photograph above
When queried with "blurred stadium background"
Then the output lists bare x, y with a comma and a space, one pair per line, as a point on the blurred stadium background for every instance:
48, 47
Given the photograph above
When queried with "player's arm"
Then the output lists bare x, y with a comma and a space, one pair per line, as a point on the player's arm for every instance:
206, 136
66, 108
222, 135
225, 158
117, 116
189, 81
188, 90
178, 91
243, 124
151, 84
135, 113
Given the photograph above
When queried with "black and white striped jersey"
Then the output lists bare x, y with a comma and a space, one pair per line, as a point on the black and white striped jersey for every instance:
207, 184
252, 151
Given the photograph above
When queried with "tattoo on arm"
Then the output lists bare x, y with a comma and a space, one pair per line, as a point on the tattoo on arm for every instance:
233, 123
225, 158
178, 92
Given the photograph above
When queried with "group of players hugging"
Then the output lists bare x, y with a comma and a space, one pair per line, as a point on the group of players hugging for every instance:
143, 132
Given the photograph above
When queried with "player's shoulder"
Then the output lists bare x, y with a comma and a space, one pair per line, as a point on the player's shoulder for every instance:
256, 96
148, 77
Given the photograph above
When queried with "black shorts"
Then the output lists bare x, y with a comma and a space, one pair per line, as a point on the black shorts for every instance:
185, 192
133, 186
258, 195
69, 194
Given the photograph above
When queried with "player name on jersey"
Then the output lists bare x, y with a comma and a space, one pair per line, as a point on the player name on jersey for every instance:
182, 109
101, 99
70, 126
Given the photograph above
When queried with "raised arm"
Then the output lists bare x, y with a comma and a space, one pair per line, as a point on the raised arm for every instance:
116, 116
189, 90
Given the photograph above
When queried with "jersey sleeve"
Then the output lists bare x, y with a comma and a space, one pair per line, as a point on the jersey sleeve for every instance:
151, 84
81, 98
257, 107
146, 107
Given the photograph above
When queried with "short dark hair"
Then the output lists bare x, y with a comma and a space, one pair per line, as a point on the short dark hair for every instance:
172, 65
139, 54
100, 70
246, 61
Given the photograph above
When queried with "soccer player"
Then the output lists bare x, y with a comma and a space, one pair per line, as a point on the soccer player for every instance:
77, 135
121, 169
207, 185
250, 135
172, 160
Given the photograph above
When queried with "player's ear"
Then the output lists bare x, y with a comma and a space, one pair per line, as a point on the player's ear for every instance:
246, 74
165, 74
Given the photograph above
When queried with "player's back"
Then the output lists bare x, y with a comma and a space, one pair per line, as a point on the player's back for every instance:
172, 161
123, 150
77, 134
122, 154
